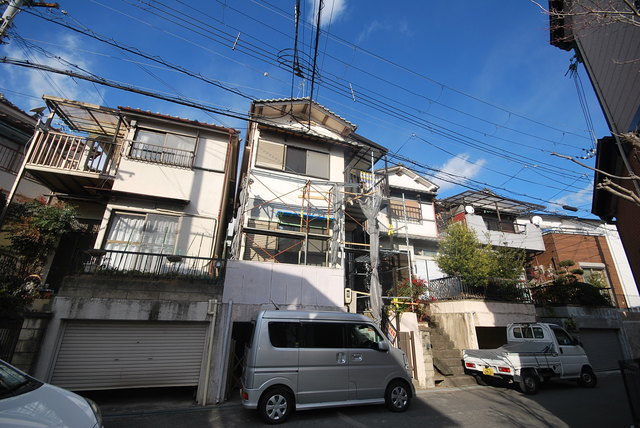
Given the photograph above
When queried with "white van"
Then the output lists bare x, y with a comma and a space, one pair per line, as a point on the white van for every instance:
308, 360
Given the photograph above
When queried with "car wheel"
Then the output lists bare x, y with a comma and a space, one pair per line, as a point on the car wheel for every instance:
528, 383
275, 405
397, 397
587, 378
480, 380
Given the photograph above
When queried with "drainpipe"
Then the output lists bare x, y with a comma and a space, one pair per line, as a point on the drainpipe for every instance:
222, 363
213, 311
225, 190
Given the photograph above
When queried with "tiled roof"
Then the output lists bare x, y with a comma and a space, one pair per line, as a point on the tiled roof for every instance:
177, 119
298, 100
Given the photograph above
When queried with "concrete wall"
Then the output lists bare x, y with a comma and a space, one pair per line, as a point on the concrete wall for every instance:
459, 319
285, 285
631, 326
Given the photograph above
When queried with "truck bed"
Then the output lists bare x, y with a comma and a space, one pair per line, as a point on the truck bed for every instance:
527, 348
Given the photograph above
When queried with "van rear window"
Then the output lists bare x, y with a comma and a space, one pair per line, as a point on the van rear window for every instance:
284, 334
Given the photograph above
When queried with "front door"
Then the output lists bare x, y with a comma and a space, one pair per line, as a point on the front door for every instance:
323, 369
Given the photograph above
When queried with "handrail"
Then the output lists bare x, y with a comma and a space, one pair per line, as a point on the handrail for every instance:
74, 153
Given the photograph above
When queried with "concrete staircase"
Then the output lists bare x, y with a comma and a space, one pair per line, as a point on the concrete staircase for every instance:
448, 371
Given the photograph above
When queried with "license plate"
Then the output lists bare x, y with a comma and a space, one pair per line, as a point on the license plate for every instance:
487, 371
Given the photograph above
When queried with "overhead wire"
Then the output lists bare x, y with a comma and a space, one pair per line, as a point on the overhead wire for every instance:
338, 92
424, 77
420, 167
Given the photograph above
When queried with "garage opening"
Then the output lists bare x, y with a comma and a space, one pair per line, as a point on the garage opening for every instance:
241, 334
95, 355
491, 337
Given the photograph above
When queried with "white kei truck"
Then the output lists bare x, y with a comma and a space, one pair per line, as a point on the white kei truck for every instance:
535, 352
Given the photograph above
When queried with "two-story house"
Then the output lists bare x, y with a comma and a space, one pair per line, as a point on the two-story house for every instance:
409, 220
472, 320
136, 301
299, 224
607, 333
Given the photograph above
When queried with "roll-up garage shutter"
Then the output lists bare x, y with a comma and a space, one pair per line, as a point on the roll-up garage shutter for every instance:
602, 347
106, 355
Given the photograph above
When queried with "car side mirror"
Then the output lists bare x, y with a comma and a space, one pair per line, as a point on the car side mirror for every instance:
383, 346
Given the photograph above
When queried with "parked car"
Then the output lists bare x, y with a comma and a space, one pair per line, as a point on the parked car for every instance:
28, 402
535, 352
305, 360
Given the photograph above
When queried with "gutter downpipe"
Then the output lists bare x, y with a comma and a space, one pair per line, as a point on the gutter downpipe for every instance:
224, 202
225, 346
213, 311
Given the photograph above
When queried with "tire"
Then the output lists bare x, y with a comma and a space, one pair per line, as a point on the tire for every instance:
587, 378
480, 380
529, 383
276, 405
397, 397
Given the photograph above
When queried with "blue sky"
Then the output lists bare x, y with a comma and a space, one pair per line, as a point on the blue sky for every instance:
466, 88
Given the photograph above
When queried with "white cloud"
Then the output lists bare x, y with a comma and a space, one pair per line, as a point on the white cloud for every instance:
37, 83
460, 166
401, 28
331, 11
576, 199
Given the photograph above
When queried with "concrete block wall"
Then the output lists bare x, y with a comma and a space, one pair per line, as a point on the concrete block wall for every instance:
427, 357
33, 328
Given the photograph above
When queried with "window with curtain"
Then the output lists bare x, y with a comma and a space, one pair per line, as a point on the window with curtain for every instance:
163, 147
134, 233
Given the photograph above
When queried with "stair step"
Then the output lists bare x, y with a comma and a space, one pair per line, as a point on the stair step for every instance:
453, 381
447, 353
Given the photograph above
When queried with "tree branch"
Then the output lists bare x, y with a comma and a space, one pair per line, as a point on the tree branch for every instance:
619, 191
630, 177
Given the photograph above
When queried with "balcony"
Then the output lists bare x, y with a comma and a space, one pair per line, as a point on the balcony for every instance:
115, 263
71, 164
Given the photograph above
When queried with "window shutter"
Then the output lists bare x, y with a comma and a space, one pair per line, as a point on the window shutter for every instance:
270, 155
318, 164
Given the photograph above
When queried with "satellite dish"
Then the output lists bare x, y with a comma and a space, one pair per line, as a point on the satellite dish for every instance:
469, 209
537, 220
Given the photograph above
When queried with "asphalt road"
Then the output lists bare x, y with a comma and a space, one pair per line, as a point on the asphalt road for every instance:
558, 404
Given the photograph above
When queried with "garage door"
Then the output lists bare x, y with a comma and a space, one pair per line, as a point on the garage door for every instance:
602, 347
105, 355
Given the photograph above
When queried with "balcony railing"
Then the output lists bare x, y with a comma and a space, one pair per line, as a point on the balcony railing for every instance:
73, 153
148, 265
159, 154
454, 288
10, 159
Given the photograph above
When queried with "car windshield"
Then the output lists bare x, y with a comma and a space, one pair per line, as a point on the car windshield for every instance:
11, 379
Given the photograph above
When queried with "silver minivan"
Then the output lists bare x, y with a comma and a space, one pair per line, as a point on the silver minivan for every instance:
309, 360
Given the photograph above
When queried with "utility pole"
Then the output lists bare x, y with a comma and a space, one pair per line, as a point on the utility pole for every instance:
12, 10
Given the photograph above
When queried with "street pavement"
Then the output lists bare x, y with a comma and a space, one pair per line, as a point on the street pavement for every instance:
557, 404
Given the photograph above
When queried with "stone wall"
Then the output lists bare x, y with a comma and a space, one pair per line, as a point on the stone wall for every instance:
26, 351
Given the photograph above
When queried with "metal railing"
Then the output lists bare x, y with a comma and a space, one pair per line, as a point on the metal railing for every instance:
9, 333
114, 262
73, 153
160, 154
10, 159
455, 288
